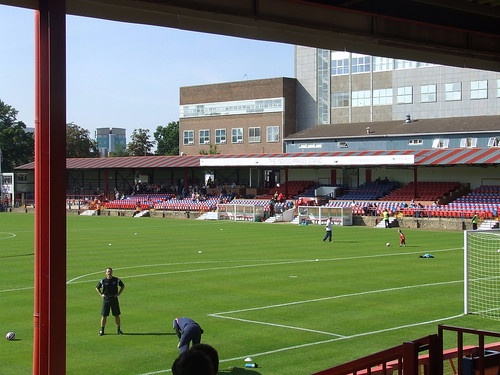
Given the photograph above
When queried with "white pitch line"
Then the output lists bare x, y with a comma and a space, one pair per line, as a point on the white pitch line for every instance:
163, 265
321, 342
16, 289
276, 325
339, 296
73, 280
10, 235
273, 263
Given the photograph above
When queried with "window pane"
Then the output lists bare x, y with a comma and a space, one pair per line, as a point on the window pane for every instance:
273, 134
453, 91
340, 99
428, 93
479, 89
405, 95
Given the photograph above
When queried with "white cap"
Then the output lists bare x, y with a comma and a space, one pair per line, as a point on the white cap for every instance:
248, 359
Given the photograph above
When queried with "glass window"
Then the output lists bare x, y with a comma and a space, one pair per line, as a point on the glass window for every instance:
361, 98
428, 93
382, 64
479, 89
188, 137
415, 142
382, 97
453, 91
498, 88
360, 63
204, 137
237, 135
424, 64
440, 143
405, 64
253, 135
323, 72
340, 67
493, 142
22, 177
468, 142
405, 95
239, 107
220, 136
340, 99
273, 133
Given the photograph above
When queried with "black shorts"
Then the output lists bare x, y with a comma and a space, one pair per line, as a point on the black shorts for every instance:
110, 303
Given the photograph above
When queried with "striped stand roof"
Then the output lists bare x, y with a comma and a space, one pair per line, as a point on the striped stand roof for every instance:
437, 157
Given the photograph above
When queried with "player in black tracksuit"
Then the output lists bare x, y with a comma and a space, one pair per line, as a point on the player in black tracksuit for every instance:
188, 331
108, 290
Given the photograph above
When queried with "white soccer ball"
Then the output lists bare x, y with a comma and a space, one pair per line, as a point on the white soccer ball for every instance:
388, 244
10, 336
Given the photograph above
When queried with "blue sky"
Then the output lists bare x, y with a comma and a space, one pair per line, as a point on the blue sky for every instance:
127, 75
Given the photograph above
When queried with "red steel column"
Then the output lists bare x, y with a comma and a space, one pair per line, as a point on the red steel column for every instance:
49, 316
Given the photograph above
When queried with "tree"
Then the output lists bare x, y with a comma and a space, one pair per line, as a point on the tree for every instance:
167, 139
17, 147
139, 144
212, 150
79, 144
120, 150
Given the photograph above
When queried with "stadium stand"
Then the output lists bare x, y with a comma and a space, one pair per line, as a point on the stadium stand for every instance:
423, 191
370, 191
485, 201
293, 188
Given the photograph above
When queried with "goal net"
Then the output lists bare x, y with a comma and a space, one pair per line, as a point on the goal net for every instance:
482, 273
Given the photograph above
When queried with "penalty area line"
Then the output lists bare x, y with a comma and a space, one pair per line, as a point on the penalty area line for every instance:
321, 342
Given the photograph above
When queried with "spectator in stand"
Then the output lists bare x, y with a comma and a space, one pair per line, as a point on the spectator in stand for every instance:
281, 198
276, 195
138, 208
420, 209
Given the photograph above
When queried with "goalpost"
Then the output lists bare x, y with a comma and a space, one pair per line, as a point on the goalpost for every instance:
482, 273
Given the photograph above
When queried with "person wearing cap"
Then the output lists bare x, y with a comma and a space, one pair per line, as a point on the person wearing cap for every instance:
188, 332
328, 228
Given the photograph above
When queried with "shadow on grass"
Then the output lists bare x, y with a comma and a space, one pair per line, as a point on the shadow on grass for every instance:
148, 334
238, 371
15, 256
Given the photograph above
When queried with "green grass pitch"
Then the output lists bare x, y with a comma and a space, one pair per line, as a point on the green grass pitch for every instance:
274, 292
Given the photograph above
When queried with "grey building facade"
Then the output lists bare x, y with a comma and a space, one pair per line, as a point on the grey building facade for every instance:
341, 87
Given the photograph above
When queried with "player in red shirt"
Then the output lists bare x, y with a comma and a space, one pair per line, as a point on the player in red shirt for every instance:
402, 238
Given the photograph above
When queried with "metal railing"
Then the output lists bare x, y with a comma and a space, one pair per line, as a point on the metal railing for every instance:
406, 359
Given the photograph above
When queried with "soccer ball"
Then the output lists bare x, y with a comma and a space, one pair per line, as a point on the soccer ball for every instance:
10, 336
388, 244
